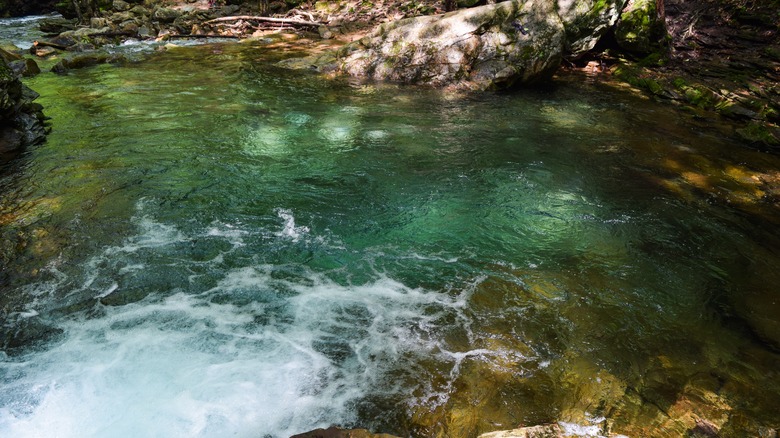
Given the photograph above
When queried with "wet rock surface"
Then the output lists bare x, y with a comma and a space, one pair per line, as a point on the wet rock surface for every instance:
541, 431
21, 120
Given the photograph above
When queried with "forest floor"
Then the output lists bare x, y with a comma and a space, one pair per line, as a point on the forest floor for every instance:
723, 57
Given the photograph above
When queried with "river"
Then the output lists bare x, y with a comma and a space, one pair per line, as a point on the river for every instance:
208, 245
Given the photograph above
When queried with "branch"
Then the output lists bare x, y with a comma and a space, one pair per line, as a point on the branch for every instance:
268, 19
48, 44
199, 35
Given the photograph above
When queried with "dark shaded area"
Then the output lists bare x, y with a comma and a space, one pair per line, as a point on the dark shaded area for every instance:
21, 120
20, 8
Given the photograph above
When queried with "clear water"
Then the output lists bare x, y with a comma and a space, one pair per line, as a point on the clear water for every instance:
210, 246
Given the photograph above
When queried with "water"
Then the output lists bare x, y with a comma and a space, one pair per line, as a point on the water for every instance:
22, 31
208, 245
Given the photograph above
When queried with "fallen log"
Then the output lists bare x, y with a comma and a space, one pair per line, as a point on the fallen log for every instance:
291, 21
200, 35
48, 44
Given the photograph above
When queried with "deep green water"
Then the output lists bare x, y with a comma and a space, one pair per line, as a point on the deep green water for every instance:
208, 245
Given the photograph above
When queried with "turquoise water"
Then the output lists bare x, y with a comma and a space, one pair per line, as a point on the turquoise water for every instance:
209, 245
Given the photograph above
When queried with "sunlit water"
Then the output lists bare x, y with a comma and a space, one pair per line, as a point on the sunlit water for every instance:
211, 246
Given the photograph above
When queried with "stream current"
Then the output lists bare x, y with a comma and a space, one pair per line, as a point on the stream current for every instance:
208, 245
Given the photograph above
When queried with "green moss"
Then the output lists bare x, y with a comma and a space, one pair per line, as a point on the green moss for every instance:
679, 83
656, 59
699, 96
758, 133
6, 74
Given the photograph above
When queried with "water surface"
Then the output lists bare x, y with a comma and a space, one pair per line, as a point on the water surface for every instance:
208, 245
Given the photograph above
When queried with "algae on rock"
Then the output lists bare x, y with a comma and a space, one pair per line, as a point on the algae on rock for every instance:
641, 28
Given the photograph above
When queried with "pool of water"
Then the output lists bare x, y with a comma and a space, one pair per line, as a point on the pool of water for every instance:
208, 245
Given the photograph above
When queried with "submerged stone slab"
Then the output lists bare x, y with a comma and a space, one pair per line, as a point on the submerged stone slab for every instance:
335, 432
541, 431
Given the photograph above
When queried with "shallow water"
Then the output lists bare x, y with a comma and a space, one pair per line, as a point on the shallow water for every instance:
208, 245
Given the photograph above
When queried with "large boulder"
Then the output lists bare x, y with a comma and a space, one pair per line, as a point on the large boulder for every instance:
21, 120
586, 21
487, 47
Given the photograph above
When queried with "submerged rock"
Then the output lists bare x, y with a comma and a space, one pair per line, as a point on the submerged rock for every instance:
25, 67
83, 60
541, 431
335, 432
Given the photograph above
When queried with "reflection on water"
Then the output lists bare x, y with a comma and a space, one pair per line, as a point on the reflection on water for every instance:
209, 245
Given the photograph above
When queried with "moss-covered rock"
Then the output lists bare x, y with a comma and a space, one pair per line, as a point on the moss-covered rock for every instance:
586, 21
21, 120
487, 47
641, 28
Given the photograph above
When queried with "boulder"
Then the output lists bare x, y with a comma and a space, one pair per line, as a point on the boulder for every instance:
641, 28
121, 5
488, 47
21, 120
119, 17
25, 67
8, 56
166, 15
140, 11
586, 21
56, 25
10, 48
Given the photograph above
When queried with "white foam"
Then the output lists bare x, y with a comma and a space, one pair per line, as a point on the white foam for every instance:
289, 229
249, 353
581, 430
291, 360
